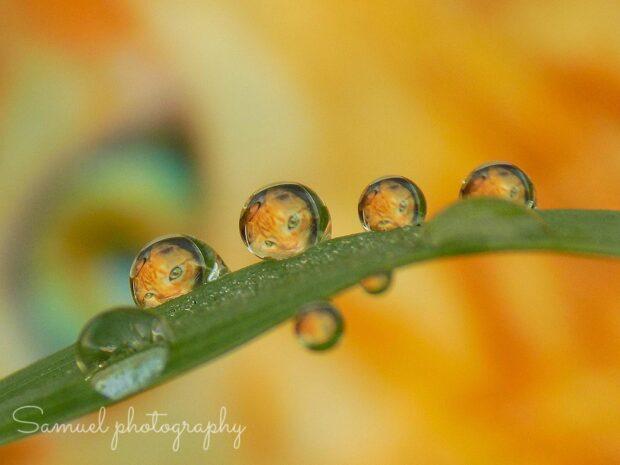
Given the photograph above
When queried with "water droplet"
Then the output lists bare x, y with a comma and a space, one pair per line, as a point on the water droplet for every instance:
122, 351
377, 283
388, 203
318, 325
171, 266
283, 220
500, 179
391, 202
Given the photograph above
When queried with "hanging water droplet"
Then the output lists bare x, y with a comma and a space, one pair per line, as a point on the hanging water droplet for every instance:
283, 220
391, 202
122, 351
171, 266
318, 325
377, 283
500, 179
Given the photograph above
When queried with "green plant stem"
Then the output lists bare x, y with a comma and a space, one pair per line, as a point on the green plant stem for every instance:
224, 314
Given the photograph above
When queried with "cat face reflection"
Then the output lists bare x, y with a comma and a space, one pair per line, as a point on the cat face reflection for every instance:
496, 182
388, 205
279, 226
166, 271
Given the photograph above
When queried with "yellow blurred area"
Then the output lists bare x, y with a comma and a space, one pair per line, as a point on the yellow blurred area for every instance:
504, 359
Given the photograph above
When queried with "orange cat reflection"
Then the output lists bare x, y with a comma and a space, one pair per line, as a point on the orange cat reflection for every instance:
279, 226
167, 271
388, 205
496, 182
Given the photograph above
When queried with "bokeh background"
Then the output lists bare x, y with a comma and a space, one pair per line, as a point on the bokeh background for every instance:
124, 120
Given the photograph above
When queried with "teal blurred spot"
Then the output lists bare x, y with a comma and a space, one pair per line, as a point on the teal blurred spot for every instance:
79, 233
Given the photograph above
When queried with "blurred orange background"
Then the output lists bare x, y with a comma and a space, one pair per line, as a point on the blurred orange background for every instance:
124, 120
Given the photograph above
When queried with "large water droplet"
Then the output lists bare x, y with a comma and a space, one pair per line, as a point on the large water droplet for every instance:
500, 179
171, 266
391, 202
122, 351
318, 325
283, 220
377, 283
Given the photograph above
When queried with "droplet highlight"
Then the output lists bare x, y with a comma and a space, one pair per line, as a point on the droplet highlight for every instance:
122, 351
502, 180
377, 283
283, 220
391, 202
171, 266
319, 326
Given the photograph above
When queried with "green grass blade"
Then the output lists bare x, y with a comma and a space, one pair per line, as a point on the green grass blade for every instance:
224, 314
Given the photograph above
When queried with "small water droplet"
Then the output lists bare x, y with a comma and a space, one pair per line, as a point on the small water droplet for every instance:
171, 266
122, 351
500, 179
283, 220
318, 326
377, 283
391, 202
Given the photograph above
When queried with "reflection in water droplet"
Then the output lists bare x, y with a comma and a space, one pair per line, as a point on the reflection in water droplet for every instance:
122, 351
171, 266
377, 283
388, 203
500, 179
283, 220
391, 202
318, 326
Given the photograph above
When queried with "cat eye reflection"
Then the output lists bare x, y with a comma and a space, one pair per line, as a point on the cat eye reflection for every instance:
293, 221
176, 272
171, 266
